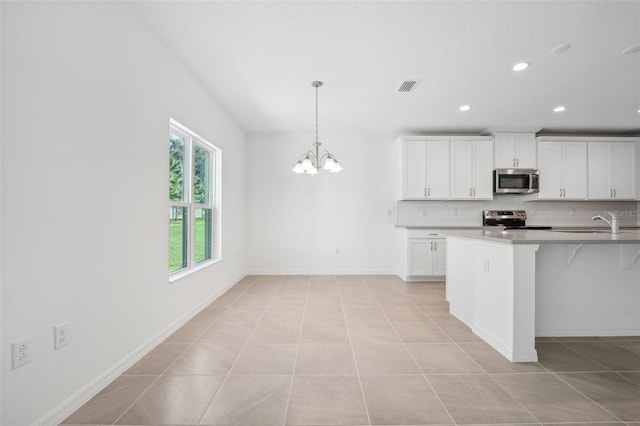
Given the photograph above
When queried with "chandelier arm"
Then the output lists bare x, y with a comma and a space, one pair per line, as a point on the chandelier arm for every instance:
324, 155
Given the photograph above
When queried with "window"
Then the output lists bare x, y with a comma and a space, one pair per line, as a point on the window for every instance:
194, 201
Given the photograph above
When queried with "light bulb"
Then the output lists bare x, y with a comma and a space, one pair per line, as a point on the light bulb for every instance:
306, 164
312, 171
336, 167
329, 163
298, 168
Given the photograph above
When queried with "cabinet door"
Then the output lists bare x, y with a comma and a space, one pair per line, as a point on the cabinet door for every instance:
438, 169
505, 151
515, 151
461, 170
623, 170
599, 165
415, 170
525, 151
550, 166
574, 170
482, 182
439, 256
420, 256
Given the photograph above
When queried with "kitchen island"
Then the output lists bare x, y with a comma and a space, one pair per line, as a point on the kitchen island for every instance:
511, 286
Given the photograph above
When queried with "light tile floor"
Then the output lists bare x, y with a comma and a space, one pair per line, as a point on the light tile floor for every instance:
360, 350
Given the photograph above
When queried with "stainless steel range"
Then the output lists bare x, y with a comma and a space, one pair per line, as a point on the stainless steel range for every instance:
508, 219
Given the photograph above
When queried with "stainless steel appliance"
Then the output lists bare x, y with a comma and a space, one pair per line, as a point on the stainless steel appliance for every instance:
508, 219
515, 181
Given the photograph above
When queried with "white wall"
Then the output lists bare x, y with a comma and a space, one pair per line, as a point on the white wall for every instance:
296, 223
87, 94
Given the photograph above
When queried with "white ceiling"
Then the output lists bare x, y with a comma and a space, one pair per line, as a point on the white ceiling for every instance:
259, 58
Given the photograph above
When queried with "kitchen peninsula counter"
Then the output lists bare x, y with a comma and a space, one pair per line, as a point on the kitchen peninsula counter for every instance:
510, 286
555, 236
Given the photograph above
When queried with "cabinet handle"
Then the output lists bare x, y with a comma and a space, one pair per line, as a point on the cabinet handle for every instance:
470, 192
517, 162
428, 192
474, 192
425, 192
513, 162
610, 193
615, 194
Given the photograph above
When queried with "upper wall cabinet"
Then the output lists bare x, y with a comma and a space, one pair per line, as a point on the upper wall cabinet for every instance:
563, 170
515, 150
612, 170
425, 165
471, 169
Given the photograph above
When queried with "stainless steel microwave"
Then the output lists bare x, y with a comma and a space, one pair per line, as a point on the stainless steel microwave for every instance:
515, 181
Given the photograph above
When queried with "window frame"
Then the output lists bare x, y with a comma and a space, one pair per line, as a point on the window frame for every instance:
191, 140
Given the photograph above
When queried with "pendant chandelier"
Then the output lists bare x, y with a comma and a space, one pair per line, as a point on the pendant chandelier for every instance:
311, 161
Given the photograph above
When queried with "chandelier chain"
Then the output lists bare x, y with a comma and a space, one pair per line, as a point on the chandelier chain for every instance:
316, 113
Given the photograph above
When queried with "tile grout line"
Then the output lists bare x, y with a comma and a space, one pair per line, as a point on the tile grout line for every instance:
190, 345
244, 345
481, 367
295, 360
424, 377
353, 353
607, 371
550, 372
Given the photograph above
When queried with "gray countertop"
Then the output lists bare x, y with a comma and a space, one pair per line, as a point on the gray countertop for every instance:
560, 235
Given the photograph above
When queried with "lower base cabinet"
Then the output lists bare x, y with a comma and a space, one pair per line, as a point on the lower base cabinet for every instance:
426, 256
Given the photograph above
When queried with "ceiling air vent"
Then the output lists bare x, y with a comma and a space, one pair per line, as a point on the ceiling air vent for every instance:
407, 86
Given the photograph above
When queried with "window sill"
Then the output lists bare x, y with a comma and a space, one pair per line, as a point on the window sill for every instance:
178, 275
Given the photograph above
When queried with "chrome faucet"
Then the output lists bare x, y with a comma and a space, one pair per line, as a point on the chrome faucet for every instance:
613, 223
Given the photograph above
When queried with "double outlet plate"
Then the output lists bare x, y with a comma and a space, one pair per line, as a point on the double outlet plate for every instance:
22, 350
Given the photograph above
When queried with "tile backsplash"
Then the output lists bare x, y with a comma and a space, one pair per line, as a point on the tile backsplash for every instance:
554, 213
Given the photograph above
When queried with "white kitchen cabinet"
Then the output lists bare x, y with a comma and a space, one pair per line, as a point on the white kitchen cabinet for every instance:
563, 170
515, 150
425, 170
471, 169
427, 256
612, 170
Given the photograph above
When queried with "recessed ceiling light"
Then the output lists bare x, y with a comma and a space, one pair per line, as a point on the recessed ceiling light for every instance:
631, 50
520, 66
559, 108
464, 108
561, 48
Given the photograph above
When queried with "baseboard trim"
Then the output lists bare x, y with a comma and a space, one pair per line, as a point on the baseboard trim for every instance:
425, 278
571, 332
317, 272
82, 396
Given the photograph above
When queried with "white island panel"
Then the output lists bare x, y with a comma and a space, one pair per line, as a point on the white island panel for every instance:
510, 286
588, 290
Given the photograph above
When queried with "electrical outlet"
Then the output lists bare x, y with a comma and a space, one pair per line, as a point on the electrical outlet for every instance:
61, 335
21, 352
